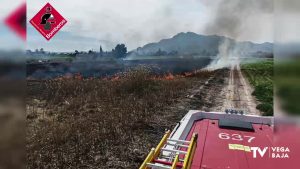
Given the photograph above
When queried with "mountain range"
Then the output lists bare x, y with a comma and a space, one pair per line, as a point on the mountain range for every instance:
189, 43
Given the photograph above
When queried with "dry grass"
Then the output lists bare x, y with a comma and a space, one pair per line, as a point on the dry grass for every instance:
96, 123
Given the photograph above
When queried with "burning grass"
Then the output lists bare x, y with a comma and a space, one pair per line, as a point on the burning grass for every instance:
101, 123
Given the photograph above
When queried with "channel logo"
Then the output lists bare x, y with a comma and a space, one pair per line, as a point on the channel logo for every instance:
48, 21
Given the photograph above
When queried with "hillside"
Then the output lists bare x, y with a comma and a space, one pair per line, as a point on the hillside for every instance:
204, 45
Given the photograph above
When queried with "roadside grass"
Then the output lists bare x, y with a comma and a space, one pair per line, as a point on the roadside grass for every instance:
100, 123
260, 76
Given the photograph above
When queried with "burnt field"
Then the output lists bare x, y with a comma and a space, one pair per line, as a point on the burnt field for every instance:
110, 123
94, 68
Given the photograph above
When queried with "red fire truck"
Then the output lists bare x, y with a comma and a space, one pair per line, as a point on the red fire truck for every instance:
224, 140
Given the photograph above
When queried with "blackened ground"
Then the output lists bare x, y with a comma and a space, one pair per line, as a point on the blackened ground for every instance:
94, 123
94, 68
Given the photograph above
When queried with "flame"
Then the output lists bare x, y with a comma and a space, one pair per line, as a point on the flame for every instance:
116, 77
169, 76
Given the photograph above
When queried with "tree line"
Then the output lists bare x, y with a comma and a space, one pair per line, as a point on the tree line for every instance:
120, 51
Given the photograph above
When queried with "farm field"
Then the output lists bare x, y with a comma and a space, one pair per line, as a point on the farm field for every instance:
260, 76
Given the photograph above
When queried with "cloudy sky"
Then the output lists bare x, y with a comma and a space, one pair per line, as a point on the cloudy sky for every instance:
138, 22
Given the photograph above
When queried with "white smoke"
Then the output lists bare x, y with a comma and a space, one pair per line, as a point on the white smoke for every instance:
233, 19
225, 57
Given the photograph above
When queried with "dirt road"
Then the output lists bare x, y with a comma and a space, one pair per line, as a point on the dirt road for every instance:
238, 92
226, 89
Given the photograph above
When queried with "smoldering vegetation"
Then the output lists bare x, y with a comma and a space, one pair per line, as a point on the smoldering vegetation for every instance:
94, 68
102, 123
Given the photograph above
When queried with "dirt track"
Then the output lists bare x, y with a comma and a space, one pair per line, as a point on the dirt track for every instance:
226, 89
238, 92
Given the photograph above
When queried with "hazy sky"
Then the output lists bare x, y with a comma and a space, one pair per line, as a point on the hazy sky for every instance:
138, 22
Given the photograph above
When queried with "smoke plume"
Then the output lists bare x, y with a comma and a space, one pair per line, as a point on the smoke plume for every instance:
231, 15
231, 18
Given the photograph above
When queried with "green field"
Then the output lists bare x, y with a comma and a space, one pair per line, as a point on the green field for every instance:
260, 76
